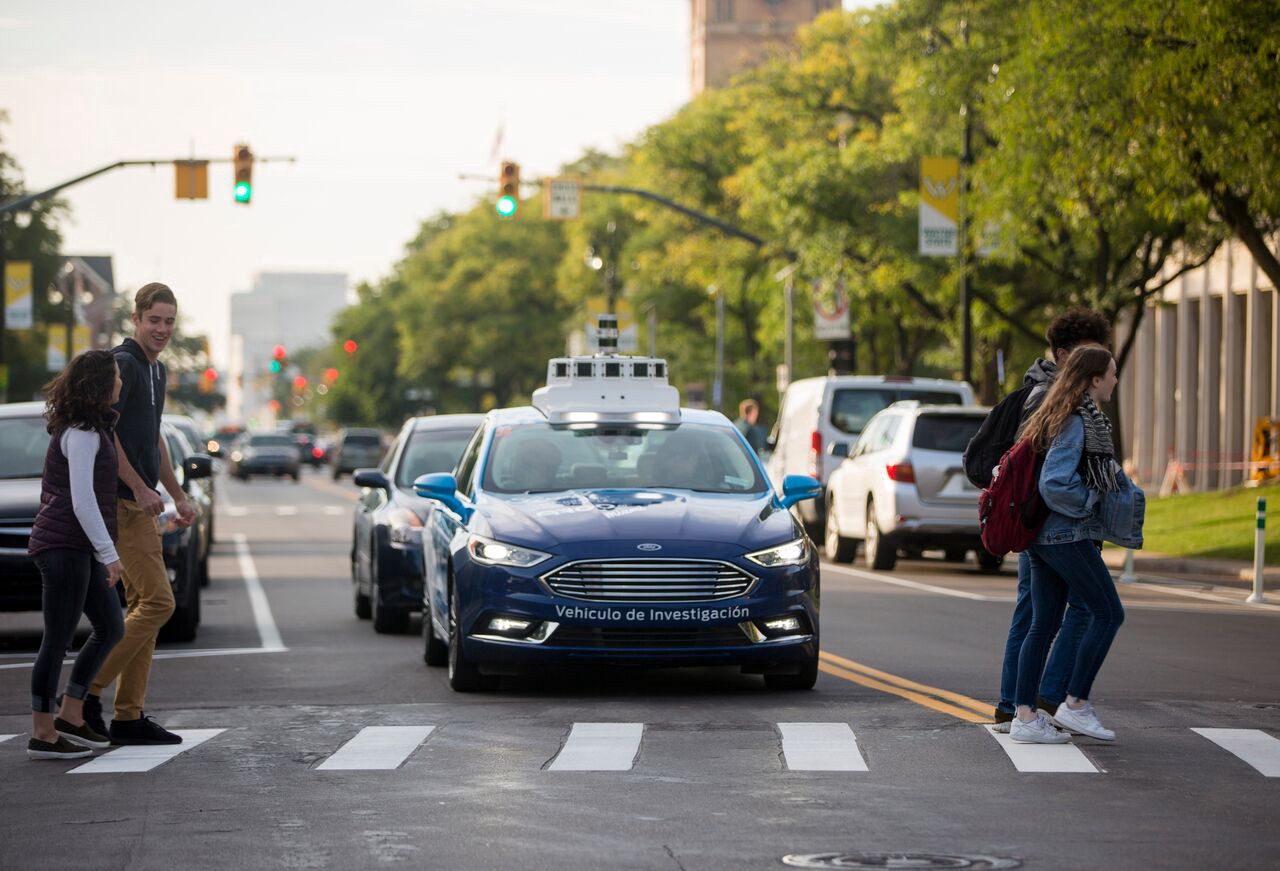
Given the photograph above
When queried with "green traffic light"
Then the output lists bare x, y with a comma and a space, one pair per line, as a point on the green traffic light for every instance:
244, 192
507, 206
275, 366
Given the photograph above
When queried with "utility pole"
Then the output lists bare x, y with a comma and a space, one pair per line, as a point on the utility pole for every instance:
966, 159
717, 386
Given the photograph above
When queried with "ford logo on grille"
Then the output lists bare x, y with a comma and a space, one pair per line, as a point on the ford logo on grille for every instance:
648, 547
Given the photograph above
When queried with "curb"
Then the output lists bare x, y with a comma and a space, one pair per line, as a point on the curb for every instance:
1218, 569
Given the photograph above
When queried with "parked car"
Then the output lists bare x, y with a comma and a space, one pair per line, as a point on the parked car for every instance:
265, 453
820, 418
903, 488
357, 449
386, 542
186, 549
23, 443
198, 443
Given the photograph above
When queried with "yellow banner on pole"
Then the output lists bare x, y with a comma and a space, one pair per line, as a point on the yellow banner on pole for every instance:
56, 348
17, 295
939, 206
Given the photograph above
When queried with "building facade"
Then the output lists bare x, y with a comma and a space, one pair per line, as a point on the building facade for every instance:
729, 36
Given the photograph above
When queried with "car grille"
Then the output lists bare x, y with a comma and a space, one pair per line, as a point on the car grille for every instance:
649, 580
15, 534
595, 637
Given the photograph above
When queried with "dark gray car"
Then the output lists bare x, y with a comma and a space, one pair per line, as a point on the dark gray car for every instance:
357, 449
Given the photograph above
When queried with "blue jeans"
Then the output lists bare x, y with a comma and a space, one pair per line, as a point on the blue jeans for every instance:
1053, 686
1056, 570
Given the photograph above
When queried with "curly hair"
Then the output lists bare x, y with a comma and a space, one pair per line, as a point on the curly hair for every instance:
1064, 397
80, 395
1076, 327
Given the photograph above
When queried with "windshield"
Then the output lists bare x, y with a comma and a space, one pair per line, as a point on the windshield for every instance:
540, 458
945, 432
271, 441
429, 452
361, 441
23, 443
851, 408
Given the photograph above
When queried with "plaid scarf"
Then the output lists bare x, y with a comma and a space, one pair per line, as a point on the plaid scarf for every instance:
1097, 460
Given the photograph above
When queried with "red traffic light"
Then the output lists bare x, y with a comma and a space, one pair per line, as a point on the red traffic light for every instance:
299, 382
350, 346
278, 352
211, 374
331, 375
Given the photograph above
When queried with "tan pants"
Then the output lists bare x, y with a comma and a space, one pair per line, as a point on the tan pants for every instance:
150, 604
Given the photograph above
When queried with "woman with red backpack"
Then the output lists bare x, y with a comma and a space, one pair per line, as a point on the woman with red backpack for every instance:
1089, 500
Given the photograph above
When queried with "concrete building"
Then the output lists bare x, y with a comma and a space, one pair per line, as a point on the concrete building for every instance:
293, 309
1204, 367
729, 36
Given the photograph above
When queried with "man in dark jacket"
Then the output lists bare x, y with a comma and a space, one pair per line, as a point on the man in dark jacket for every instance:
143, 464
1068, 331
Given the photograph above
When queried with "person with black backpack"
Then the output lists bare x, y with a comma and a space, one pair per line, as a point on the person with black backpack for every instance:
998, 433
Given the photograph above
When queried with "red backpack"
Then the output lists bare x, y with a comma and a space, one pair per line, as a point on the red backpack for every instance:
1010, 511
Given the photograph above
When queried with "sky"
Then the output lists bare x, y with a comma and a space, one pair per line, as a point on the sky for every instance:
384, 105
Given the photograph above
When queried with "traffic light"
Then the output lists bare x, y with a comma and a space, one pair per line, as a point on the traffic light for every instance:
330, 375
278, 354
350, 346
299, 383
243, 159
508, 190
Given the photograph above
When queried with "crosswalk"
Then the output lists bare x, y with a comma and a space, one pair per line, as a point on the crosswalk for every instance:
618, 747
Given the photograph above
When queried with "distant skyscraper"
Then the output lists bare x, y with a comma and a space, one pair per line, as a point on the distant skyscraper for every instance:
293, 309
729, 36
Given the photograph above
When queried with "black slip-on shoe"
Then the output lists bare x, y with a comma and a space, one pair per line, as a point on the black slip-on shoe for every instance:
60, 749
93, 715
82, 735
143, 730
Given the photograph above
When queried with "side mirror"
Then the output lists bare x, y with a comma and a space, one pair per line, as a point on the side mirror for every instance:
839, 449
371, 478
198, 466
797, 488
443, 488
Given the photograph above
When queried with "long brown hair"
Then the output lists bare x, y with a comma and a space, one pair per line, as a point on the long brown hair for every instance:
80, 395
1086, 363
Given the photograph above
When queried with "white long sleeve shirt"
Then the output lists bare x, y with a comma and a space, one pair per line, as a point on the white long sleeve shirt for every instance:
80, 447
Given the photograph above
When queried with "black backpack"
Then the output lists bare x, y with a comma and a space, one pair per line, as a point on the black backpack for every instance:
995, 437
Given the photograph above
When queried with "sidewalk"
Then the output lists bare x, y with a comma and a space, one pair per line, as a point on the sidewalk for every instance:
1220, 572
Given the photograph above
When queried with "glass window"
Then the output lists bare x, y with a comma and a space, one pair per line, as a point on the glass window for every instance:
363, 441
23, 444
852, 407
467, 465
540, 458
429, 452
945, 432
271, 441
724, 10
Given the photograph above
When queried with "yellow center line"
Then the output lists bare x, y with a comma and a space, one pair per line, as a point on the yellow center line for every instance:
918, 698
983, 710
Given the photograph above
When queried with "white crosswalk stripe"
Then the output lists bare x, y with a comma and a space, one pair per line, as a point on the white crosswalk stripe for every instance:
335, 510
1044, 758
4, 738
286, 510
599, 747
820, 747
145, 757
1250, 745
377, 748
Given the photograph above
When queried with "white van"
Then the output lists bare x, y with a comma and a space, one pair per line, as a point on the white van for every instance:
821, 418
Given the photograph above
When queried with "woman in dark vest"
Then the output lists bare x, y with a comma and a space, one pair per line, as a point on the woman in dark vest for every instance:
73, 542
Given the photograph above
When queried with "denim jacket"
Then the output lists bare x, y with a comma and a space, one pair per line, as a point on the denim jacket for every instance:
1077, 513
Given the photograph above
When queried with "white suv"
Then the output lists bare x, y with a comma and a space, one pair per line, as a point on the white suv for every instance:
903, 487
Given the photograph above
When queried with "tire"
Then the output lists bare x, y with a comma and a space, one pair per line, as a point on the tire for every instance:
296, 476
957, 554
803, 680
836, 547
386, 621
464, 677
204, 566
363, 607
336, 474
435, 652
878, 549
989, 563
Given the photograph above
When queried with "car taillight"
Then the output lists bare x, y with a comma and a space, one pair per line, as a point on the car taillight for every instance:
901, 472
317, 453
815, 455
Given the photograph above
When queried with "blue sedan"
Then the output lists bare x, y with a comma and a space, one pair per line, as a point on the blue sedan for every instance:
618, 542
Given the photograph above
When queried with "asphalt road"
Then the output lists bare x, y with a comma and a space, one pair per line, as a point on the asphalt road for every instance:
710, 768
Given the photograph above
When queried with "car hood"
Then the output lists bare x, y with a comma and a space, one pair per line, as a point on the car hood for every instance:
19, 498
549, 519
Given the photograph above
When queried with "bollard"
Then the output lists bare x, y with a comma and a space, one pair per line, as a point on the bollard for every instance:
1258, 544
1127, 576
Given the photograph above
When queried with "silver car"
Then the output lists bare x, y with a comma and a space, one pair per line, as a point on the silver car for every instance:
903, 489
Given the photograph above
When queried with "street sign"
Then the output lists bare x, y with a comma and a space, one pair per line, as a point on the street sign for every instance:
830, 312
191, 179
939, 206
17, 295
563, 199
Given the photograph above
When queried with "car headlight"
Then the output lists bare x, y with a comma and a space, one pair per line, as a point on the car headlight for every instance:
793, 553
406, 528
495, 553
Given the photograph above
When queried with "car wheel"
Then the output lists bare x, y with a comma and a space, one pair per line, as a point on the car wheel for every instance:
956, 554
835, 546
464, 677
386, 621
336, 474
434, 651
364, 608
802, 680
204, 565
988, 562
296, 476
877, 547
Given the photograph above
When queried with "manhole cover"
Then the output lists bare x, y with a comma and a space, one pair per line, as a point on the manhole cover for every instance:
897, 860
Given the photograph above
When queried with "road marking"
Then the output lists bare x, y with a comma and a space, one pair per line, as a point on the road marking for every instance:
237, 511
1044, 758
1209, 597
1253, 746
267, 630
4, 738
382, 748
146, 757
286, 510
921, 694
820, 747
334, 510
977, 705
915, 585
599, 747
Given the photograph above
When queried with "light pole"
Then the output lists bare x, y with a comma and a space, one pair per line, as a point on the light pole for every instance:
717, 386
788, 297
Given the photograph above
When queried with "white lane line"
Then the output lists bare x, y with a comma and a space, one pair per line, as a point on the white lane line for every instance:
915, 585
286, 510
1210, 597
377, 748
1253, 746
267, 630
237, 511
146, 757
1042, 758
820, 747
334, 510
599, 747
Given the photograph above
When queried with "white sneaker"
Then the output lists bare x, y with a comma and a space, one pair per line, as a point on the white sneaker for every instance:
1083, 720
1038, 731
